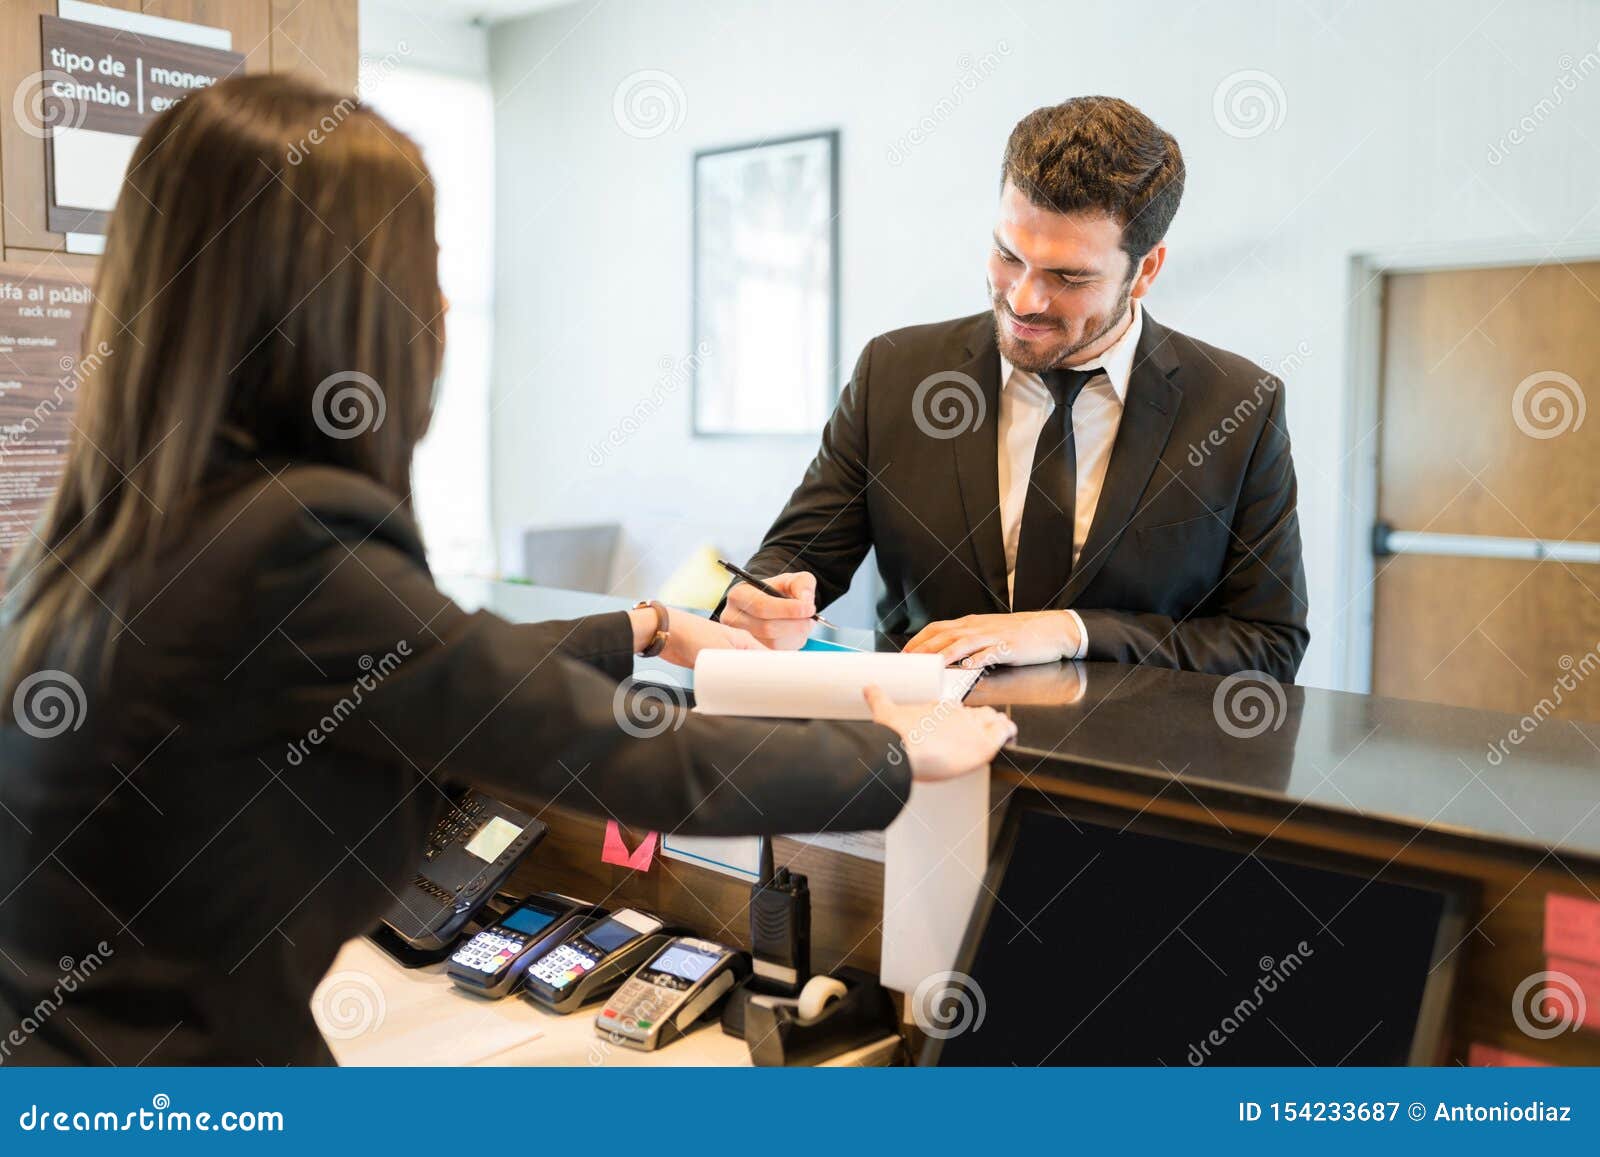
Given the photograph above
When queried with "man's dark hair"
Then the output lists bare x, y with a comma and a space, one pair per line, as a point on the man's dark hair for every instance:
1099, 153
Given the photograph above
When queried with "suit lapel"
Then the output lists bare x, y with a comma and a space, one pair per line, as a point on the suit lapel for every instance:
1148, 414
977, 454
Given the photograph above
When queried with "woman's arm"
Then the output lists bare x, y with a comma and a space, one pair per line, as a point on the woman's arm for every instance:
522, 710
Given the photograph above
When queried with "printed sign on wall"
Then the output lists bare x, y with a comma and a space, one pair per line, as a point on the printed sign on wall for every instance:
102, 87
42, 321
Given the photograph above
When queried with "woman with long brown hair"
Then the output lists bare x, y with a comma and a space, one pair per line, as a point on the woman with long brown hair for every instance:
233, 697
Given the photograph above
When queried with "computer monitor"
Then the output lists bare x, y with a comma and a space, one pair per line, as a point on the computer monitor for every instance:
1100, 941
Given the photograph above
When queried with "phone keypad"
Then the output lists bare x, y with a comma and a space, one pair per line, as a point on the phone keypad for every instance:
561, 966
490, 951
637, 1006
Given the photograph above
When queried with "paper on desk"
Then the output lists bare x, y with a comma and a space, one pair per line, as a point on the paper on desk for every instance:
957, 681
804, 685
936, 852
816, 684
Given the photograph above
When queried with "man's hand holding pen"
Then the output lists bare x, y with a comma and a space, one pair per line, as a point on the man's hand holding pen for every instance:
781, 621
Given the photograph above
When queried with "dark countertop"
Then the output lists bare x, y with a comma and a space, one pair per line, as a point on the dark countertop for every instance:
1374, 763
1452, 776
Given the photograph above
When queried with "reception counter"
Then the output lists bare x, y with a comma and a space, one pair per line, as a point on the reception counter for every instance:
1506, 808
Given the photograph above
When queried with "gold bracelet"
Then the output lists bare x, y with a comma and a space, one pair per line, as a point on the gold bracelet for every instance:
658, 642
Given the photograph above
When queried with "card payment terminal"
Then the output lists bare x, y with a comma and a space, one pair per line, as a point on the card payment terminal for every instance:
493, 962
591, 963
666, 997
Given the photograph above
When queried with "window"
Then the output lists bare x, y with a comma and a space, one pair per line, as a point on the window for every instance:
452, 120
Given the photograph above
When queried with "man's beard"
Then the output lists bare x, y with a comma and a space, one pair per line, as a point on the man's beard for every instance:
1023, 355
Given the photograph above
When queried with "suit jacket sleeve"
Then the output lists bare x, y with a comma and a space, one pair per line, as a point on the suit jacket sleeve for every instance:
824, 529
1259, 616
535, 712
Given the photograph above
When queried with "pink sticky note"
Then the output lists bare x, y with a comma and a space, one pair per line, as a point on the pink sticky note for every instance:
1571, 927
616, 852
1572, 994
1487, 1056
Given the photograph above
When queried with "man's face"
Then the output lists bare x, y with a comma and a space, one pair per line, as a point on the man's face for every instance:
1060, 283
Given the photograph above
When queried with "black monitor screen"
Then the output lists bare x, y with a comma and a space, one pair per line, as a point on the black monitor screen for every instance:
1108, 947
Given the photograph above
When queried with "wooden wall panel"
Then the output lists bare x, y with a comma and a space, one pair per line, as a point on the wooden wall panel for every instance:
846, 892
317, 39
21, 153
55, 261
248, 20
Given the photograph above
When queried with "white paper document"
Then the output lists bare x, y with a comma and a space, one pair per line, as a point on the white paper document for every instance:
937, 851
816, 685
736, 856
805, 685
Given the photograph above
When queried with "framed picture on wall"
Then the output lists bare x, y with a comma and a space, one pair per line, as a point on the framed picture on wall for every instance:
766, 286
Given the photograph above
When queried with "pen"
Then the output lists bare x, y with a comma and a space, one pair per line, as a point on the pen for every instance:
741, 573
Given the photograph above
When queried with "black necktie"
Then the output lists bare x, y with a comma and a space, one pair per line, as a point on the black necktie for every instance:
1044, 546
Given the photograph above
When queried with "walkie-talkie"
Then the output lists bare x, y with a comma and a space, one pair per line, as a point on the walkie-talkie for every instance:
780, 927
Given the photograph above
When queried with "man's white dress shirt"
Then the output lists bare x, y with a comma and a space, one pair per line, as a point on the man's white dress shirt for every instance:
1026, 405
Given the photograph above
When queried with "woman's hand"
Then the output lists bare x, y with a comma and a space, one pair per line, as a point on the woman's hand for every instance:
943, 740
687, 635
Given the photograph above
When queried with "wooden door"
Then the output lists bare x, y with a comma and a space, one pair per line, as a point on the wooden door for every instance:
1489, 478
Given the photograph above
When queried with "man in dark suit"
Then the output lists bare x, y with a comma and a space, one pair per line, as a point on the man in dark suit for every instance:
1060, 476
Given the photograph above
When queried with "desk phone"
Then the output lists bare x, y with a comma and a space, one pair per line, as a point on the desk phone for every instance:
468, 854
669, 995
493, 962
591, 963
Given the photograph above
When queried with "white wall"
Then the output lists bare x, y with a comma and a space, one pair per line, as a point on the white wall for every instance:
428, 73
426, 36
1389, 114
